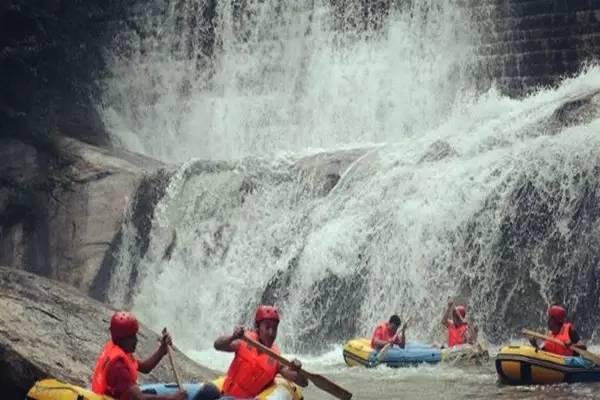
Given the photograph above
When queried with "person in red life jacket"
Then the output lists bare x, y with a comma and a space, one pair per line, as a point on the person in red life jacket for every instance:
387, 333
117, 369
251, 372
459, 331
561, 330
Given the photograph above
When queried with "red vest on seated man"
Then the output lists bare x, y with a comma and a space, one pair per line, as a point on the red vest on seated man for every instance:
383, 332
563, 335
109, 356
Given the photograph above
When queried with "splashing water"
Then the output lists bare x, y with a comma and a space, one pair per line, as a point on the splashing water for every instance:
425, 189
394, 234
281, 77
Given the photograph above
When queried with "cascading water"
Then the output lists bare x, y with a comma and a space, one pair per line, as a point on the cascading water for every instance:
282, 78
427, 190
395, 229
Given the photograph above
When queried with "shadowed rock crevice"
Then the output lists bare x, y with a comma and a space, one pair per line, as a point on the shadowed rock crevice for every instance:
50, 61
150, 191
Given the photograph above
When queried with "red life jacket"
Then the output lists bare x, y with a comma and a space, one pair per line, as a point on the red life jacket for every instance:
382, 332
109, 355
250, 372
563, 335
456, 334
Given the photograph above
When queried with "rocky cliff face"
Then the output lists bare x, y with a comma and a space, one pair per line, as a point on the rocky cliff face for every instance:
48, 329
61, 210
50, 60
53, 63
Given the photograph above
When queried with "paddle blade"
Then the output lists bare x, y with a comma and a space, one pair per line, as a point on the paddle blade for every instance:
325, 384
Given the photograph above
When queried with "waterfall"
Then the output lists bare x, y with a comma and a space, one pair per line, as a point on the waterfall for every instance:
281, 76
347, 172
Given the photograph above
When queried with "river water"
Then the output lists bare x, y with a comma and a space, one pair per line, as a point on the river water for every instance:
418, 383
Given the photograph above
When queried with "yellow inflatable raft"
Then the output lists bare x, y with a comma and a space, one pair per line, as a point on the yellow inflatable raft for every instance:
52, 389
524, 365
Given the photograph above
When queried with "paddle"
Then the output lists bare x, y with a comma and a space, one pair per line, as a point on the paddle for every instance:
170, 353
584, 353
384, 349
318, 380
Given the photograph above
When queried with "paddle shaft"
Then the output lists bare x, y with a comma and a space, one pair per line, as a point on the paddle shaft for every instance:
383, 352
385, 348
172, 362
586, 354
177, 380
319, 381
271, 353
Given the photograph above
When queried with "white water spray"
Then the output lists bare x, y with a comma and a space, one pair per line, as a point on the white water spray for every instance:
281, 78
391, 236
396, 227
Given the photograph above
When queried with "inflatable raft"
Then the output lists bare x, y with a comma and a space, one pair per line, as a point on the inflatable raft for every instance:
359, 352
52, 389
523, 365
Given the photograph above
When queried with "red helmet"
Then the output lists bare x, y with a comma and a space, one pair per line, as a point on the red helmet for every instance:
123, 324
557, 312
460, 311
266, 312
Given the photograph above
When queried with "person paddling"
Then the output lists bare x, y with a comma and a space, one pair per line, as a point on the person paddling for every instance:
459, 331
250, 371
387, 333
561, 330
116, 370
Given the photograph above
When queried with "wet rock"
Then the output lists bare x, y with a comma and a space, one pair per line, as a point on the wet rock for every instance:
66, 207
325, 170
578, 111
276, 291
328, 300
48, 329
330, 296
438, 150
540, 249
149, 192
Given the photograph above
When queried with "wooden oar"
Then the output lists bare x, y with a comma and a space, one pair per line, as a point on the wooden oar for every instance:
170, 353
318, 380
382, 353
584, 353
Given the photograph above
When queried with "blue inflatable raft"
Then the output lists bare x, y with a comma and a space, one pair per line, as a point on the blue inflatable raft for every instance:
359, 352
281, 389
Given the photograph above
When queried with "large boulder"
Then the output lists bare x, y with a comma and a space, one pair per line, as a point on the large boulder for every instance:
49, 329
62, 208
